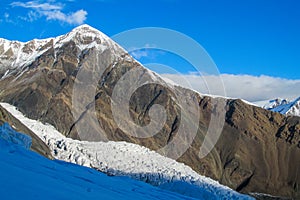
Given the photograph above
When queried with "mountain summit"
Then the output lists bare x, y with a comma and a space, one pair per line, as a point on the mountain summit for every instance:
256, 151
284, 106
15, 54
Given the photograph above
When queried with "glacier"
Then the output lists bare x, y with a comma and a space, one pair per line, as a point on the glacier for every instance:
130, 160
27, 175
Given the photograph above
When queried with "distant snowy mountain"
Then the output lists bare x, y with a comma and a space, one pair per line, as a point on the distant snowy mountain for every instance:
126, 159
284, 106
27, 175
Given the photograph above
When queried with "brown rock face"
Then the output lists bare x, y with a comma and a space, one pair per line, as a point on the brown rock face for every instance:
259, 142
258, 150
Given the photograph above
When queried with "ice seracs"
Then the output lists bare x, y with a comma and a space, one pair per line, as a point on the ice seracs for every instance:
27, 175
126, 159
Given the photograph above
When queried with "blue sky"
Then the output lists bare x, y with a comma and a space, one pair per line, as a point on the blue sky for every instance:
251, 37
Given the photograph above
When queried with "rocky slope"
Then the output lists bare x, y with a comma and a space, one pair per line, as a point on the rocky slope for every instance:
258, 150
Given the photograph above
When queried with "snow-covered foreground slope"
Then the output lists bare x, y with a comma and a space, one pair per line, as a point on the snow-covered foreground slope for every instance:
7, 133
121, 158
27, 175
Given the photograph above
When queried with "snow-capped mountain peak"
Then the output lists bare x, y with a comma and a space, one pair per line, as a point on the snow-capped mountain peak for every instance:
275, 102
85, 36
87, 29
284, 106
19, 55
15, 54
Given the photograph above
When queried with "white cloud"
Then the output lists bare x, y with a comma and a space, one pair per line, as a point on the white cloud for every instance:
138, 54
6, 15
52, 11
148, 50
7, 18
37, 5
32, 16
250, 88
75, 18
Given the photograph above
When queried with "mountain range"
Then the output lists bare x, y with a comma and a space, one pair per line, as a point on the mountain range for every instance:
257, 151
